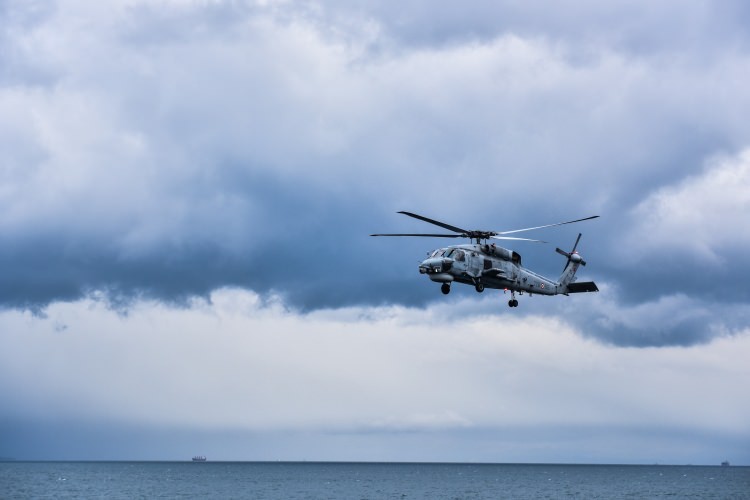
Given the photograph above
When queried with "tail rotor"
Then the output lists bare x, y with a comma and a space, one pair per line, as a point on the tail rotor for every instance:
572, 255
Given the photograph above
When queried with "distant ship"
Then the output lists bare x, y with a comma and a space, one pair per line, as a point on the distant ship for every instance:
199, 458
725, 463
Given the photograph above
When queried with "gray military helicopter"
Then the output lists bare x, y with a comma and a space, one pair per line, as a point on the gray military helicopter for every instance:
488, 266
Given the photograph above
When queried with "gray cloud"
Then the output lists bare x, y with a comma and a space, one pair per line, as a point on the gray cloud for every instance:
699, 28
167, 151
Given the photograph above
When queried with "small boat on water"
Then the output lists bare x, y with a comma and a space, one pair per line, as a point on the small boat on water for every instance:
199, 458
725, 463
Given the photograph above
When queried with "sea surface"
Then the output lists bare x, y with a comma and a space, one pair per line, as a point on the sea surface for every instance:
303, 480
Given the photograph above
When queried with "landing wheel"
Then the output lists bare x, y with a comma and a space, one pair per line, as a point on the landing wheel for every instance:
479, 287
445, 288
513, 303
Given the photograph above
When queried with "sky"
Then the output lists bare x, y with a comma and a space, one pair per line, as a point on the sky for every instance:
187, 190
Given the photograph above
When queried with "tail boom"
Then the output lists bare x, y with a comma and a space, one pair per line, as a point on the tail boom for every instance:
567, 282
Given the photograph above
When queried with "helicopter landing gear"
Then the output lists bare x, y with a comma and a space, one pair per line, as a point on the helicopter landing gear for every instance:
512, 302
445, 288
479, 287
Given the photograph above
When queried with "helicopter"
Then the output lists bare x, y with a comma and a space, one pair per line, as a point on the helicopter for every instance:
485, 265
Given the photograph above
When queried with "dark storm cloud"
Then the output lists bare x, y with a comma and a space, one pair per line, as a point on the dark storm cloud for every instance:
314, 252
187, 148
671, 319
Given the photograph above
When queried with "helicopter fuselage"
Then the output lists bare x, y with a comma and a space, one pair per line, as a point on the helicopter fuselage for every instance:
486, 266
489, 266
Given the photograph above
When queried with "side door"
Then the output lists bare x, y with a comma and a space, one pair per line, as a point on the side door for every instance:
475, 263
513, 271
460, 263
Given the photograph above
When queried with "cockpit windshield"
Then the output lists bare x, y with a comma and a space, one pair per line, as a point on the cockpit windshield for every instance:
451, 253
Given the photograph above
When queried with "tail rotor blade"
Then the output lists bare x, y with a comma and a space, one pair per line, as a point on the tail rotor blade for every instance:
576, 245
564, 254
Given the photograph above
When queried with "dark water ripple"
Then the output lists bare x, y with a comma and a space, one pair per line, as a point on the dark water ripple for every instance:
309, 480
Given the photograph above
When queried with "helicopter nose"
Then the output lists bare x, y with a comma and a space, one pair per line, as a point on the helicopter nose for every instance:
430, 266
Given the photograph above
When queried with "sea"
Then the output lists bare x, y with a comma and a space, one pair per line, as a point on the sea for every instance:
316, 480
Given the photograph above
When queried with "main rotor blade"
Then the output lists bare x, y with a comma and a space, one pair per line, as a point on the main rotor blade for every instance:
436, 222
548, 225
426, 235
516, 239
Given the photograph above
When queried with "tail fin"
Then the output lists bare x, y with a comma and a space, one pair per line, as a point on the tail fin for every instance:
569, 273
574, 260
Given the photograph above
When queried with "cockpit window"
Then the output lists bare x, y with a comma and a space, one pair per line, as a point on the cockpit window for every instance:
438, 252
450, 252
460, 256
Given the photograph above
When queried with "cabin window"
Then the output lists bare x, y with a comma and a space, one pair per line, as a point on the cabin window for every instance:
460, 256
487, 264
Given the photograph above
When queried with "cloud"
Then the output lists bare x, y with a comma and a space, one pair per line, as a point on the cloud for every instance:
674, 319
166, 151
709, 208
243, 363
678, 262
187, 190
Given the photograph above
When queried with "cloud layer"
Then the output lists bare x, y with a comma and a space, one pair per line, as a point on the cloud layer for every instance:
167, 150
187, 190
252, 367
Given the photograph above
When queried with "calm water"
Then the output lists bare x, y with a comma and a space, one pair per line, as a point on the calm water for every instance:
363, 481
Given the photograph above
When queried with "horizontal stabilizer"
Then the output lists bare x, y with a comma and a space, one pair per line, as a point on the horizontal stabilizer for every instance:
586, 286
